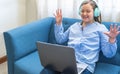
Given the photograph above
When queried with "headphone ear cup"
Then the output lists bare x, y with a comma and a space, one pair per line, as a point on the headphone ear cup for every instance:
96, 12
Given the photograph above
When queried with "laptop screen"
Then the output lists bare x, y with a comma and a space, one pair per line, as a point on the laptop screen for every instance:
59, 56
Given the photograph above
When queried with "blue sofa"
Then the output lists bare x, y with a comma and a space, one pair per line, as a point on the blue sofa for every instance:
23, 56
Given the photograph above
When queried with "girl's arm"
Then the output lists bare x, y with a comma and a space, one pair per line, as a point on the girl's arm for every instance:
108, 49
60, 35
108, 41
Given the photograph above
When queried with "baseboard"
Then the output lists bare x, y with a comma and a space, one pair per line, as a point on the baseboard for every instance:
3, 59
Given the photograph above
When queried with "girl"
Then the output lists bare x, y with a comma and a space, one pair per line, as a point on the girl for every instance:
88, 37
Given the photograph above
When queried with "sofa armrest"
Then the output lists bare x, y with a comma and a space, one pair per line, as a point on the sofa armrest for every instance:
21, 41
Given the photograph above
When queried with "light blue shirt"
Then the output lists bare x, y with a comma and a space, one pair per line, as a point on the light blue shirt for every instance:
87, 42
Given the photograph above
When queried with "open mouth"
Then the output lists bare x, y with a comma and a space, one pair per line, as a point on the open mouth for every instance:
85, 17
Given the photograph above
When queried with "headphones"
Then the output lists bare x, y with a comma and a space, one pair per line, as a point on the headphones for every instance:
96, 10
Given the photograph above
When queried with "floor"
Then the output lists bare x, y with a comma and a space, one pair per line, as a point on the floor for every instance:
3, 68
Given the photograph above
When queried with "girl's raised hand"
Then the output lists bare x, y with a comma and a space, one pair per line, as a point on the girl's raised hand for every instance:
58, 16
113, 33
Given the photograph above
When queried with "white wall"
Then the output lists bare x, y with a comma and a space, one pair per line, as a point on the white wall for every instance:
15, 13
12, 13
31, 10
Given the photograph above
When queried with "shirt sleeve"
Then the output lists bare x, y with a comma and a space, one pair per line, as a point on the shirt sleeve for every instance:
108, 49
60, 35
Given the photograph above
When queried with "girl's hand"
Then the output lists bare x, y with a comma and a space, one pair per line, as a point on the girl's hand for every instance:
58, 16
113, 33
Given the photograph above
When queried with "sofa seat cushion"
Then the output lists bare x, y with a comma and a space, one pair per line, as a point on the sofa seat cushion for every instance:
104, 68
28, 65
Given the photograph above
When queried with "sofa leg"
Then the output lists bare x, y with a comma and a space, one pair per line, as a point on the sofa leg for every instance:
3, 59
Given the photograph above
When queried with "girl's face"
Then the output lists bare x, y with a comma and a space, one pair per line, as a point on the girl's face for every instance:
87, 13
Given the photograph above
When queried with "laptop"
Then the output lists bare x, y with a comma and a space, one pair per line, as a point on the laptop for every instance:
58, 56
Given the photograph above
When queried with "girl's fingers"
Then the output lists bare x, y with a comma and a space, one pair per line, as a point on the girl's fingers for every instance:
111, 27
57, 12
60, 11
107, 33
115, 28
